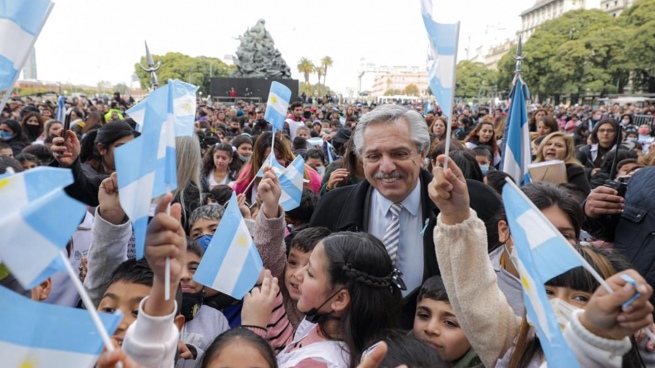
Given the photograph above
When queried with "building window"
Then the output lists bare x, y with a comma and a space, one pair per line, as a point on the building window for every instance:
614, 15
616, 3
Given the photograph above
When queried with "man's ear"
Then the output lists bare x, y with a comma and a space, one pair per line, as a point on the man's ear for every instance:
179, 321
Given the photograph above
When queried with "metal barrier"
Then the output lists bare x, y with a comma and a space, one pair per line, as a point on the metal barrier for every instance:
643, 120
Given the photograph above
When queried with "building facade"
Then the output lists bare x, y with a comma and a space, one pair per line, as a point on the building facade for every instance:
615, 7
545, 10
29, 69
399, 77
496, 53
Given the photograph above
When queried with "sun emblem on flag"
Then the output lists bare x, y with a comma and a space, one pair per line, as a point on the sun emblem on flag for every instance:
525, 282
27, 364
241, 240
3, 183
187, 106
273, 99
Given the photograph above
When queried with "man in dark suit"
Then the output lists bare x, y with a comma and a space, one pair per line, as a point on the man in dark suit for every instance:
392, 142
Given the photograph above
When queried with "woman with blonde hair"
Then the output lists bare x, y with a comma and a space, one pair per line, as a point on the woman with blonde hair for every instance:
560, 146
189, 191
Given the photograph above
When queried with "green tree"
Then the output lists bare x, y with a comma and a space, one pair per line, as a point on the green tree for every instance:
639, 19
122, 88
326, 62
195, 70
306, 67
474, 79
320, 72
547, 45
393, 92
411, 90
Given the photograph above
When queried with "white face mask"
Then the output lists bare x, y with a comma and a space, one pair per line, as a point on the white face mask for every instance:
563, 311
321, 170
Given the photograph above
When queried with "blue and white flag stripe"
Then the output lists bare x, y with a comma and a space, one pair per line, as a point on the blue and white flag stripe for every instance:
516, 155
541, 254
40, 217
442, 57
20, 24
35, 334
272, 161
277, 105
61, 109
231, 263
291, 183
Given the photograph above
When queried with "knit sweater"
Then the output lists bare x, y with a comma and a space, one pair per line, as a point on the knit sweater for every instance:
269, 239
475, 295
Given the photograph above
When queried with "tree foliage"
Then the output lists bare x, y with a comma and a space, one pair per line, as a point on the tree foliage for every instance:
411, 90
306, 67
474, 79
194, 70
326, 62
587, 51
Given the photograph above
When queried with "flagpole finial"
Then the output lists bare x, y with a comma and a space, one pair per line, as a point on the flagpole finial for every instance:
152, 68
519, 56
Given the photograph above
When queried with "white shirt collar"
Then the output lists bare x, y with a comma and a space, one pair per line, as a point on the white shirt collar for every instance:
411, 203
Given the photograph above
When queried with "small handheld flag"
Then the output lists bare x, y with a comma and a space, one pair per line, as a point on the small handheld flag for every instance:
43, 335
442, 57
542, 255
291, 183
231, 263
277, 105
40, 217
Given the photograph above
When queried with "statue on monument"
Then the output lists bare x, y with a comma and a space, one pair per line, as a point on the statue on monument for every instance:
257, 56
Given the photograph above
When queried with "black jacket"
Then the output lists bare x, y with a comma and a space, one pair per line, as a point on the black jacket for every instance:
346, 209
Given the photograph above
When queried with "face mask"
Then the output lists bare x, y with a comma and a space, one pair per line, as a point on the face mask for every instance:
643, 137
625, 122
5, 136
563, 311
204, 240
191, 303
320, 170
484, 169
631, 139
313, 315
244, 159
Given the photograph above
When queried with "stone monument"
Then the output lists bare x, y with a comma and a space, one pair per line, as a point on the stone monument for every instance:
257, 56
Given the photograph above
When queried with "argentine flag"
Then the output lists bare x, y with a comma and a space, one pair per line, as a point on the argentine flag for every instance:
291, 183
441, 58
516, 155
231, 263
275, 165
37, 221
277, 105
184, 108
43, 335
21, 22
543, 253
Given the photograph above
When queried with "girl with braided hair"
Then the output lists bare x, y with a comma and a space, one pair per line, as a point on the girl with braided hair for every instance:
351, 290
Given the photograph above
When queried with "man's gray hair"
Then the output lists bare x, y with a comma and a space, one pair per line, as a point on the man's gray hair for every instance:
207, 212
389, 114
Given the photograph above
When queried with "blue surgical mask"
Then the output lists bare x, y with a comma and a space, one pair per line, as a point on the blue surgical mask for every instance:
204, 240
484, 169
5, 136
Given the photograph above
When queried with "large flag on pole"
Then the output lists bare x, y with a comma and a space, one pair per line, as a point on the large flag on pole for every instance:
36, 334
516, 152
37, 219
231, 263
442, 57
541, 255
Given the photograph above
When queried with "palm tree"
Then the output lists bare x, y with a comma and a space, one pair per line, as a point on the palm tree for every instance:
306, 67
319, 73
326, 62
